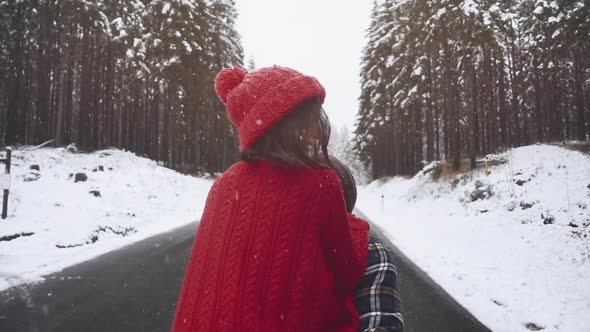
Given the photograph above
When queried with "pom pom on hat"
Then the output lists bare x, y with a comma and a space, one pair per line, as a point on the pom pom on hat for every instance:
227, 80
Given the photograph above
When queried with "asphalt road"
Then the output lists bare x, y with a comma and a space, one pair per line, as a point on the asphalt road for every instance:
136, 288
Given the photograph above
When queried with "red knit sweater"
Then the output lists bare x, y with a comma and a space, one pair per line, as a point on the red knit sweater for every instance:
275, 251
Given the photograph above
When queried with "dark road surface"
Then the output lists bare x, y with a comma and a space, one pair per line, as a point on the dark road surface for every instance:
136, 288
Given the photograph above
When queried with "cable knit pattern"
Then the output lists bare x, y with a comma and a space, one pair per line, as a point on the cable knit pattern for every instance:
275, 251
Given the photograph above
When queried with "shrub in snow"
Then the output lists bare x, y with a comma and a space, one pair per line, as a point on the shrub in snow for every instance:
534, 327
435, 169
34, 167
548, 219
72, 148
34, 175
15, 236
81, 177
95, 235
95, 192
481, 192
98, 169
463, 180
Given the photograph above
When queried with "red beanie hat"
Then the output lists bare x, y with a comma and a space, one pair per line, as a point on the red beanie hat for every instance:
256, 101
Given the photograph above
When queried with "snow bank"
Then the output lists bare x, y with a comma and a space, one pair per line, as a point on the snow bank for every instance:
55, 222
511, 246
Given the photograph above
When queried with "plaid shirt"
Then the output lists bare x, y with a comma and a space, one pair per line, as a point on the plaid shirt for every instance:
377, 297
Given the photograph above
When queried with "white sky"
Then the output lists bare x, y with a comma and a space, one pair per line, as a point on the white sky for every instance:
321, 38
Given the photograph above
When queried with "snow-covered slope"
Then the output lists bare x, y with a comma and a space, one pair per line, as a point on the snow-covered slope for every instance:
511, 246
55, 222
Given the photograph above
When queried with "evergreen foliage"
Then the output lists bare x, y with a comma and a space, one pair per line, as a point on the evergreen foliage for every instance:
131, 74
453, 79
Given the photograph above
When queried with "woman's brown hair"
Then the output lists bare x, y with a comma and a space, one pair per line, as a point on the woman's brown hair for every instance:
299, 139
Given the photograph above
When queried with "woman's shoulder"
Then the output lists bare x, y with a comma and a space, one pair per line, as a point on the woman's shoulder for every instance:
321, 176
323, 181
326, 176
229, 176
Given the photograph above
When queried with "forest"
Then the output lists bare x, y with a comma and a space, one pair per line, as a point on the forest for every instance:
455, 80
446, 80
130, 74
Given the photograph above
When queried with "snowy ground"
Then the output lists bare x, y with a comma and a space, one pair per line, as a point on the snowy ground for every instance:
518, 259
517, 256
54, 222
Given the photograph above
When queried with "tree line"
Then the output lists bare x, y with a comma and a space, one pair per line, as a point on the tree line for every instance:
131, 74
453, 80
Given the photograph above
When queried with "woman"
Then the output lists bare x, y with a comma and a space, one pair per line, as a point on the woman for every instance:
276, 249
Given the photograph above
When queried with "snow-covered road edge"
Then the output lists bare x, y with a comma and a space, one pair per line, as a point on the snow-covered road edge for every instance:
501, 257
137, 199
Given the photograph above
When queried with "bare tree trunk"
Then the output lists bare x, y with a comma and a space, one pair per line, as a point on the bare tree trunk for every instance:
581, 129
429, 110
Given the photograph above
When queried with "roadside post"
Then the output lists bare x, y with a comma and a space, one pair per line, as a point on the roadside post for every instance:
5, 181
